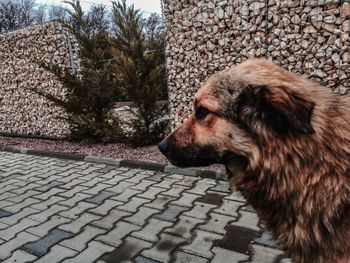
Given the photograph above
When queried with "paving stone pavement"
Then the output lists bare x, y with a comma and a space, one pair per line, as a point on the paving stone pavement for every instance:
55, 210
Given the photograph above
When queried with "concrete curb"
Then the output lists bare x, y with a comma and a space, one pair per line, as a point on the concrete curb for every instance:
117, 162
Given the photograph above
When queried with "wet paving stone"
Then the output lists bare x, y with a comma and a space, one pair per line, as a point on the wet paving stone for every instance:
100, 198
4, 213
171, 213
48, 186
42, 246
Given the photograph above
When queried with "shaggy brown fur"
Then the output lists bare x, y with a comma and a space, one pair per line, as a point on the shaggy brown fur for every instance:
285, 142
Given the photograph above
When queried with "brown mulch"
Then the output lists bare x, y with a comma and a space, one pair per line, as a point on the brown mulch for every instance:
115, 150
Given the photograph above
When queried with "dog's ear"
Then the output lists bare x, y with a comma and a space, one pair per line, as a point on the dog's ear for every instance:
278, 107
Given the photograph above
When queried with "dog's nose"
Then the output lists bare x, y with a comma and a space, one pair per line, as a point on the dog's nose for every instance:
163, 146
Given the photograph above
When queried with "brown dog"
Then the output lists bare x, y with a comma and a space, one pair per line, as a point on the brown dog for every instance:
285, 142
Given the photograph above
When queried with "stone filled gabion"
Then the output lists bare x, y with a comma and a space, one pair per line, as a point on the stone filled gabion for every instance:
23, 112
309, 37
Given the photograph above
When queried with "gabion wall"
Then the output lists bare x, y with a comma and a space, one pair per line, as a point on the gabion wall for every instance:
22, 112
309, 37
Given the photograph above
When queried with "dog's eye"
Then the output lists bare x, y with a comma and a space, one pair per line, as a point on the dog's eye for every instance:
201, 113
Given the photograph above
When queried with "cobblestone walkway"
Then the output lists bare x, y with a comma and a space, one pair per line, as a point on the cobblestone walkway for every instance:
54, 210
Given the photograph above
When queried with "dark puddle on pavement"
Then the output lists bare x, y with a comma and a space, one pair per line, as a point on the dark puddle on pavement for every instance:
211, 198
165, 245
124, 253
237, 239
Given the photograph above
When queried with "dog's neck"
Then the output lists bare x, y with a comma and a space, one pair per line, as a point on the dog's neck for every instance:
276, 188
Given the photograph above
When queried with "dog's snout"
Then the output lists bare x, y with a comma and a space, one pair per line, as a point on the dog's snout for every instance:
164, 146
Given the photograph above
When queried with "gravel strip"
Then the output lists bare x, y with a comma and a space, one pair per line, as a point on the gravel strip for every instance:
115, 150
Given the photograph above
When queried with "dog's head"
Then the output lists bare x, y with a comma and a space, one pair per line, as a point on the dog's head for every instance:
238, 110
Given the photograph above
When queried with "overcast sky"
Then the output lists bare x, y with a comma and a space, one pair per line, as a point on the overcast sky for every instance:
145, 5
